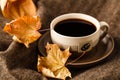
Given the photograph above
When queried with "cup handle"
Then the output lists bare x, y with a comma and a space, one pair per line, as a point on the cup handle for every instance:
104, 29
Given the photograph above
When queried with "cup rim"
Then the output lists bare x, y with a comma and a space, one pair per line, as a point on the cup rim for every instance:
81, 16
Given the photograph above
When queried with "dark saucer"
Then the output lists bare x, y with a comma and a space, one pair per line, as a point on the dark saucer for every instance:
102, 51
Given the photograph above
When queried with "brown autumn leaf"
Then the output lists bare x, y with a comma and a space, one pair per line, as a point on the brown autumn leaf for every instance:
24, 29
13, 9
53, 65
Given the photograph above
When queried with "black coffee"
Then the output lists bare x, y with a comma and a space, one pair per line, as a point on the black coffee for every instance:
75, 28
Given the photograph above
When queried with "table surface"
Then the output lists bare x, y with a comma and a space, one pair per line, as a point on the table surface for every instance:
17, 62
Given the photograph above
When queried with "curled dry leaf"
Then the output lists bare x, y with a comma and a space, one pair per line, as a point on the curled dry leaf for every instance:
53, 65
24, 29
13, 9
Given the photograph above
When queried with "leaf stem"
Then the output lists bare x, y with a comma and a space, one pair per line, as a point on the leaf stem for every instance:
83, 53
44, 30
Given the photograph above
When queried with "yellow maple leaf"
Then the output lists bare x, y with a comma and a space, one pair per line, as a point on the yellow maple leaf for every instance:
53, 65
13, 9
24, 29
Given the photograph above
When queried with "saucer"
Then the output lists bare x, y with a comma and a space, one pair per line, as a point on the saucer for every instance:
99, 53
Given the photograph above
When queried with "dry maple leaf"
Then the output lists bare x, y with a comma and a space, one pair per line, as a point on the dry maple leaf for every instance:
13, 9
24, 29
53, 65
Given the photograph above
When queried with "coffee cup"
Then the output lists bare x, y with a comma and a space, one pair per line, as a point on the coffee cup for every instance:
80, 32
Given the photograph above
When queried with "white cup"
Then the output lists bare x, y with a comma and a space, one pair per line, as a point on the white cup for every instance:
81, 43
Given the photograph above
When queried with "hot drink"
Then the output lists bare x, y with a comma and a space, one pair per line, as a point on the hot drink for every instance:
79, 32
75, 27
